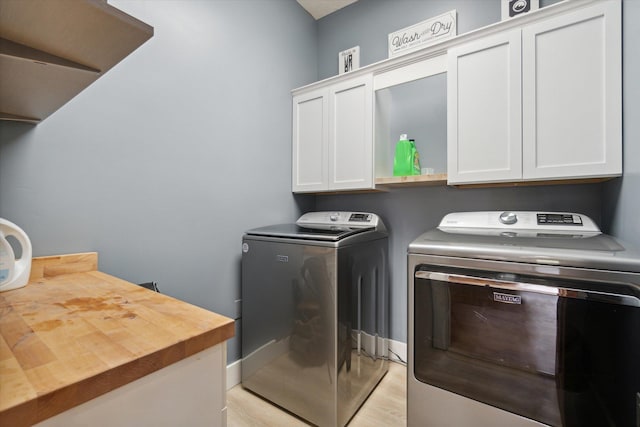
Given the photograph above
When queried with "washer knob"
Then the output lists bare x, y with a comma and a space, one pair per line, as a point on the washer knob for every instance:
334, 217
508, 218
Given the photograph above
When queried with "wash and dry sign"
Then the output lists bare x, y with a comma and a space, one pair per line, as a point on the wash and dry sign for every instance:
423, 34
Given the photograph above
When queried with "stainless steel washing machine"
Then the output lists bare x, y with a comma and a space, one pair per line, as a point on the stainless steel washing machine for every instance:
315, 313
522, 319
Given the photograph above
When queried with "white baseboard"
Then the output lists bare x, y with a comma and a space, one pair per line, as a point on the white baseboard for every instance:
397, 353
234, 374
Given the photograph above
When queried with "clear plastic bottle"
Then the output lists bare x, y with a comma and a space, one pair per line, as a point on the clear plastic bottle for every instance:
7, 260
416, 158
14, 273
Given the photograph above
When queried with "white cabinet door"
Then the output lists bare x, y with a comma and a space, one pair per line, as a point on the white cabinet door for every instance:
310, 141
333, 137
350, 138
484, 131
572, 95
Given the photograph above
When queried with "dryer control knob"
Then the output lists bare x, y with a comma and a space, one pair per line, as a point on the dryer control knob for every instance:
334, 217
508, 218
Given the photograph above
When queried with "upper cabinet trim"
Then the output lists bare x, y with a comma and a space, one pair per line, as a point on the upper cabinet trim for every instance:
441, 48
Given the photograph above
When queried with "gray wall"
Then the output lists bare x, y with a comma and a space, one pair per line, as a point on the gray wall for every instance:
367, 24
409, 212
162, 163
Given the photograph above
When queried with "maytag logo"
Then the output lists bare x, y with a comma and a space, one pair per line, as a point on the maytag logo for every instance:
507, 298
282, 258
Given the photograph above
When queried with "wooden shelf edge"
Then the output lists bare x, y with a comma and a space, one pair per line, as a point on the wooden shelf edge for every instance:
339, 192
412, 180
17, 51
564, 181
123, 17
383, 184
17, 118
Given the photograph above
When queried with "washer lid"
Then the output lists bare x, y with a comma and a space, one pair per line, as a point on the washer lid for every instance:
322, 233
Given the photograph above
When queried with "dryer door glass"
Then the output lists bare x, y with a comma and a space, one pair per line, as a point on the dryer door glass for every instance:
561, 355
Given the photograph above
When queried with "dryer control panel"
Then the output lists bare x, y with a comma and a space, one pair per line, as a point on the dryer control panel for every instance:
536, 222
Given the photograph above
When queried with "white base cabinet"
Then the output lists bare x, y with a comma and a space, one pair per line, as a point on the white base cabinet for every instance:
191, 392
538, 103
333, 137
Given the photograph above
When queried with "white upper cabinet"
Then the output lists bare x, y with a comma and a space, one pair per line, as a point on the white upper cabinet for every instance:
350, 137
541, 102
533, 98
332, 137
310, 141
484, 130
572, 117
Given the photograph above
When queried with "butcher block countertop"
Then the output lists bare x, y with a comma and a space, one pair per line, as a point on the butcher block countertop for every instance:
74, 333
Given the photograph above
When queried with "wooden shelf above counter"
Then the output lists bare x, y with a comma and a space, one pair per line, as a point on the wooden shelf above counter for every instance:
51, 50
74, 333
412, 180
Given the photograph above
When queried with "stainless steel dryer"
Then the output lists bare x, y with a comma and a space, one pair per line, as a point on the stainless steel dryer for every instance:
522, 319
315, 313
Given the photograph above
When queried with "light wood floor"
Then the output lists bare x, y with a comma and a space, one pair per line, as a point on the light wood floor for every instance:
386, 406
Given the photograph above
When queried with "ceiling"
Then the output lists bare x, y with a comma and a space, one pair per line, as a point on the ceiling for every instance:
320, 8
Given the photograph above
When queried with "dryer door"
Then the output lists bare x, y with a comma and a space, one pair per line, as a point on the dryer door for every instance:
561, 355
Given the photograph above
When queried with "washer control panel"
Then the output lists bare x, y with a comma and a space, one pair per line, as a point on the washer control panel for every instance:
339, 218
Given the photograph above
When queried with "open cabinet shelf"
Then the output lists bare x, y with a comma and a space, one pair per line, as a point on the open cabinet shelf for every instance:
51, 50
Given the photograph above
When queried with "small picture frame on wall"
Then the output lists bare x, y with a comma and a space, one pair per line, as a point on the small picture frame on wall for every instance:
349, 60
513, 8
